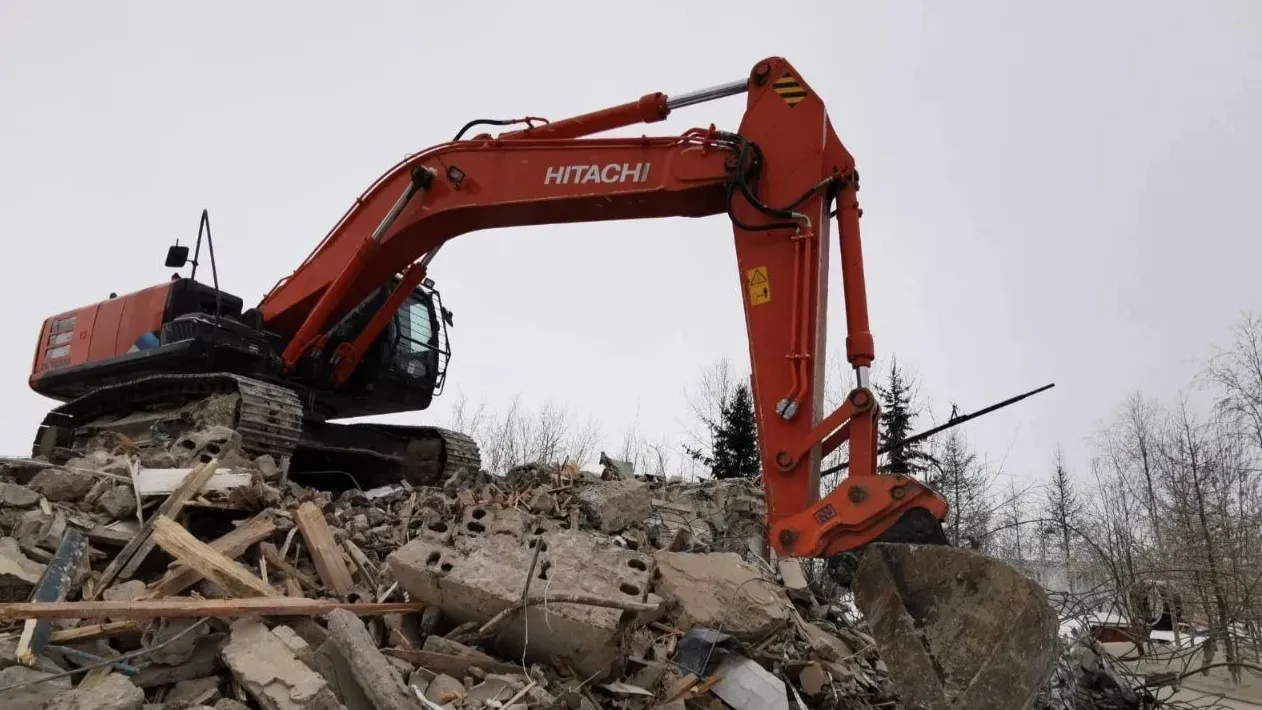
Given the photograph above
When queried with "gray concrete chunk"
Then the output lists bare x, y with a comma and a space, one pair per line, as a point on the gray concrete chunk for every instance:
720, 590
270, 672
613, 505
475, 578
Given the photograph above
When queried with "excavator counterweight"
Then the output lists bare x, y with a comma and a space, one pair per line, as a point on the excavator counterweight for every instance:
358, 329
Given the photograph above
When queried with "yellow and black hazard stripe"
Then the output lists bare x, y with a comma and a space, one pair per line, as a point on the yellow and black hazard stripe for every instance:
790, 89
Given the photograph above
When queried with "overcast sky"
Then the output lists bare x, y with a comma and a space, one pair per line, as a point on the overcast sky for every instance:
1053, 192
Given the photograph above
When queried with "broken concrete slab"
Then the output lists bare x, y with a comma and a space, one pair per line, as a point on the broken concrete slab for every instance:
613, 505
14, 496
198, 691
118, 502
62, 485
39, 529
271, 674
380, 682
793, 577
42, 689
719, 590
475, 578
176, 652
336, 671
444, 689
113, 692
18, 573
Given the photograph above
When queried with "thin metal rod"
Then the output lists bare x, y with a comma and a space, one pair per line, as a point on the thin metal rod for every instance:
709, 94
943, 427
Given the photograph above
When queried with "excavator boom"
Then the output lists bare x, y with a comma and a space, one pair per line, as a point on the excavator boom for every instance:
775, 178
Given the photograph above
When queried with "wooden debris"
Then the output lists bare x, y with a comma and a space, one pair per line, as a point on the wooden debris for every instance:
272, 555
214, 566
196, 608
324, 550
231, 545
174, 502
161, 481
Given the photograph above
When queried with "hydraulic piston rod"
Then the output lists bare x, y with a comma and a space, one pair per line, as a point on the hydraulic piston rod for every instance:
712, 93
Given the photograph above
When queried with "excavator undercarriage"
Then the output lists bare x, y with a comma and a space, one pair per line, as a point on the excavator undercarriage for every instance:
268, 418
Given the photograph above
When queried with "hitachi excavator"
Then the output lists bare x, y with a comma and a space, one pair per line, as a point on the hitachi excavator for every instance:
359, 329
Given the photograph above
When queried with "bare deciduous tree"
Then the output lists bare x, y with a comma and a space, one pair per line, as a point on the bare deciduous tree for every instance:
518, 434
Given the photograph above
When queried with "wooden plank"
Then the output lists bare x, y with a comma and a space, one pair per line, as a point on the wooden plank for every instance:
161, 481
176, 508
192, 483
367, 574
325, 552
232, 545
272, 555
94, 631
197, 608
104, 535
214, 566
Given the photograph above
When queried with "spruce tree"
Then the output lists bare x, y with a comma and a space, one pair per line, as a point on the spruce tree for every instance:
734, 438
897, 415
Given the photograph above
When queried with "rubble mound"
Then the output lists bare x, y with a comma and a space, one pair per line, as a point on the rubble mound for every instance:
194, 577
191, 576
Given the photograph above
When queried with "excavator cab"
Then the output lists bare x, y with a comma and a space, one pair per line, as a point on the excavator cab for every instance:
406, 365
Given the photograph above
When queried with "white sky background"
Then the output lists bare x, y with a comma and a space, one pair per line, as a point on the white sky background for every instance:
1052, 191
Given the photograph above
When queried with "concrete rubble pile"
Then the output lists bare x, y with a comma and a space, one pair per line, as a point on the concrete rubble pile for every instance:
237, 585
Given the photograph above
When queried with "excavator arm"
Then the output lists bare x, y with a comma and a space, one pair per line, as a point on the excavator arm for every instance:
955, 628
775, 178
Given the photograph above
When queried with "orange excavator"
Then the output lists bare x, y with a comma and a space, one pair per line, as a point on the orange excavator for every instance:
359, 329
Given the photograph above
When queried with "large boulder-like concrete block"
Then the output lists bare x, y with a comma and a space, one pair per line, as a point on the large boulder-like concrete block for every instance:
613, 505
268, 670
720, 590
62, 485
956, 628
475, 578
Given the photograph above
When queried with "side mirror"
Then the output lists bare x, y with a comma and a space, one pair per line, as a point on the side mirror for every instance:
177, 256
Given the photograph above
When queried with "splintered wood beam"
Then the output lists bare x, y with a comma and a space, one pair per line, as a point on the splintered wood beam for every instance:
324, 550
186, 608
232, 545
272, 555
214, 566
193, 483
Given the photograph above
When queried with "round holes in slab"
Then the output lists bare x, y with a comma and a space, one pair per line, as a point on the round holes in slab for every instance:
637, 564
478, 513
439, 527
475, 527
630, 589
